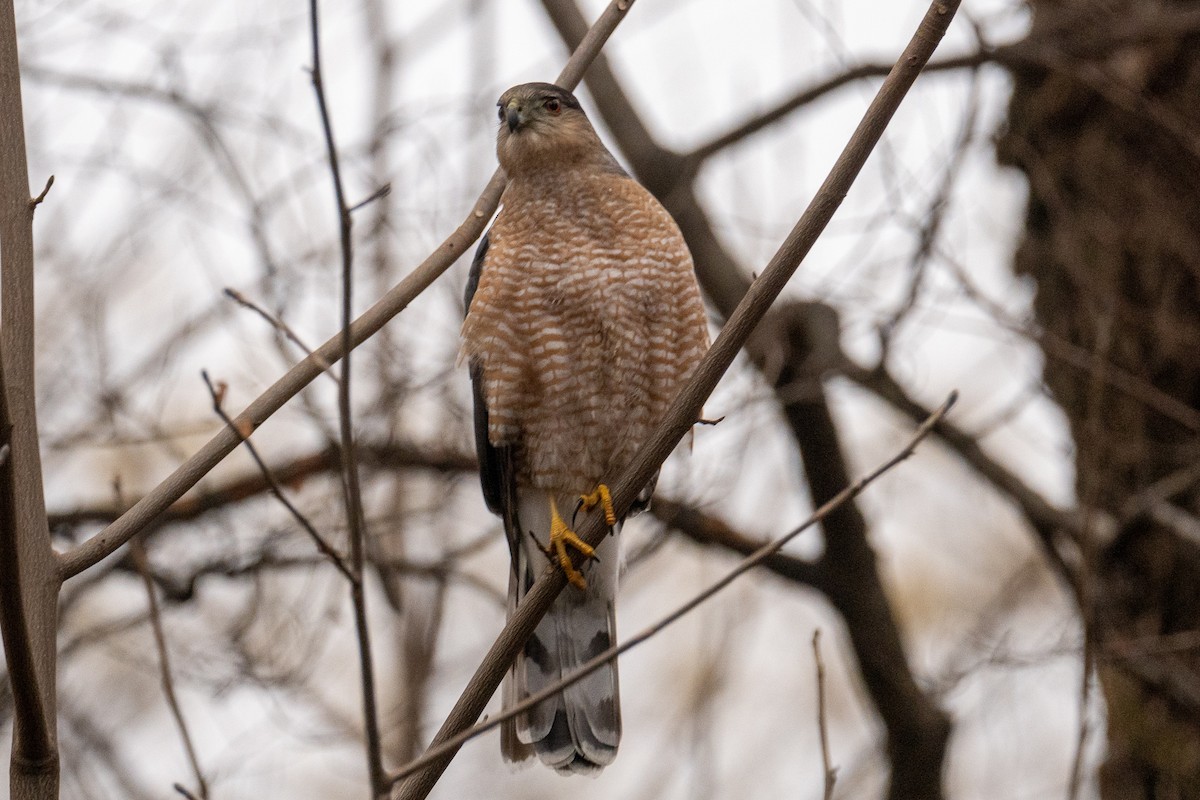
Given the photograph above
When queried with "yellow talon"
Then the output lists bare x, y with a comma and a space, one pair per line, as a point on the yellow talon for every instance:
560, 537
601, 497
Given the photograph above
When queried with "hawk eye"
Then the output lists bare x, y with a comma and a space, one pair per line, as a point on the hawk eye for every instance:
552, 105
501, 112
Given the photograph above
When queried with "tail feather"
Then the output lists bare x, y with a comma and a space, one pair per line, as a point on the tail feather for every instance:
579, 729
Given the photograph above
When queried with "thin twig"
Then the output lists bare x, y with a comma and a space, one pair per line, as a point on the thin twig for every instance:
279, 325
829, 772
352, 491
931, 226
37, 201
378, 194
183, 791
761, 556
1061, 349
811, 94
138, 552
686, 407
273, 484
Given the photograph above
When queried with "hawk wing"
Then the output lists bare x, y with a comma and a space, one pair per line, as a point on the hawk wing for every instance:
497, 468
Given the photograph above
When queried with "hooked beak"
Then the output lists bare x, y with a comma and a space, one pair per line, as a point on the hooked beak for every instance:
512, 116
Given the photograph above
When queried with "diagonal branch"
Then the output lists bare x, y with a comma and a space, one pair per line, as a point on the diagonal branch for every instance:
368, 324
1161, 23
810, 94
758, 557
271, 484
686, 407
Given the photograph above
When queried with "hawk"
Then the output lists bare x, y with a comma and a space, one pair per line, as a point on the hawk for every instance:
583, 320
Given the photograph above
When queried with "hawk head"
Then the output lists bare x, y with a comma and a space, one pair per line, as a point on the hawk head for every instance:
543, 126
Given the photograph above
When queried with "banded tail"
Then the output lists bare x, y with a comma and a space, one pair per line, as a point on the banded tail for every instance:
577, 730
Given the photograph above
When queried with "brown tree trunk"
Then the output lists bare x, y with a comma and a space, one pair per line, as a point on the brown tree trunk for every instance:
1105, 122
29, 577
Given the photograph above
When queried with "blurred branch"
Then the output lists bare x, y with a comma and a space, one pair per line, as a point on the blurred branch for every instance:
276, 323
1096, 365
685, 409
180, 588
1048, 522
28, 571
810, 94
352, 490
386, 455
1027, 52
206, 118
930, 226
709, 531
138, 552
760, 557
270, 483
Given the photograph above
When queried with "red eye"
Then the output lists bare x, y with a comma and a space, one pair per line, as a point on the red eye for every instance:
552, 105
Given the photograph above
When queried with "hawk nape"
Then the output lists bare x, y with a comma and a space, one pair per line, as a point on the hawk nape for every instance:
583, 320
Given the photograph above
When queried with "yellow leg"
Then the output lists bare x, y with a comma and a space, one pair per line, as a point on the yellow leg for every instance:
560, 537
602, 498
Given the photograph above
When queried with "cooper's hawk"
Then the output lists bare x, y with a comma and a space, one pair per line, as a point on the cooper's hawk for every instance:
584, 319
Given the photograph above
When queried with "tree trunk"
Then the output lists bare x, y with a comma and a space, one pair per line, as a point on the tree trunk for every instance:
29, 575
1104, 121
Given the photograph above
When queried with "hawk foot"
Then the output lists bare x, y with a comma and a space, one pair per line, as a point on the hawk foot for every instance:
560, 537
601, 497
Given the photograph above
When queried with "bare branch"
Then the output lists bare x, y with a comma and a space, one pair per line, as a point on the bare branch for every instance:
378, 194
164, 666
1049, 523
707, 530
183, 791
758, 558
276, 323
273, 485
829, 772
390, 455
686, 407
810, 94
1164, 23
352, 491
